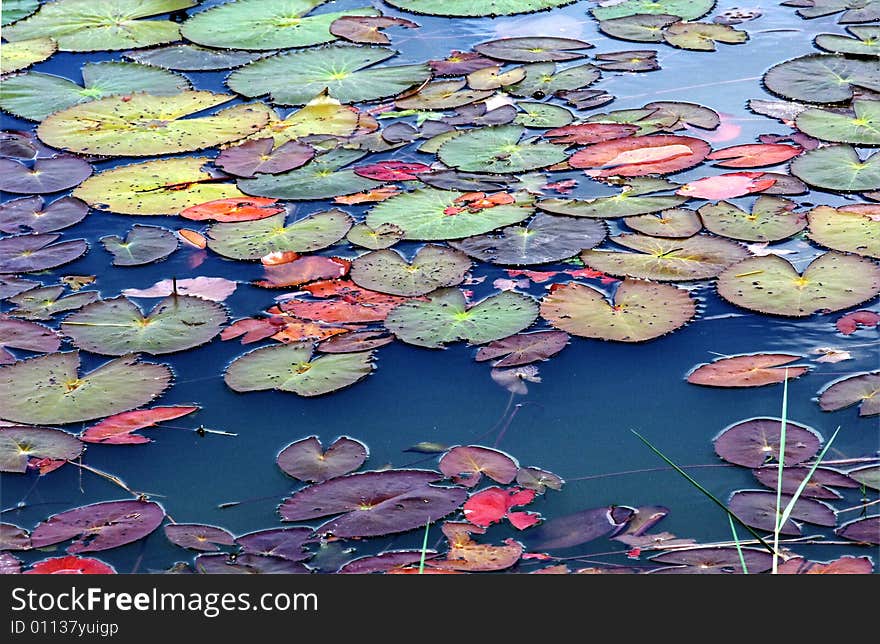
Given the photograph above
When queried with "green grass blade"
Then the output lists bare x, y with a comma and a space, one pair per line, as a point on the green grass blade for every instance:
424, 548
779, 471
739, 550
797, 494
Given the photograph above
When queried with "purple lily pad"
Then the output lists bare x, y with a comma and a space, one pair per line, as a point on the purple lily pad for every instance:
100, 526
21, 144
9, 565
465, 465
819, 486
578, 528
753, 442
713, 561
258, 157
29, 253
287, 543
534, 478
32, 215
524, 348
205, 538
11, 286
374, 503
866, 530
47, 175
30, 336
19, 444
861, 388
306, 460
354, 341
384, 561
14, 538
757, 509
247, 564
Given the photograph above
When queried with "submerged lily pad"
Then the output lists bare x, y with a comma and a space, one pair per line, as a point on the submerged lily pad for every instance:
771, 219
24, 53
752, 370
446, 317
862, 389
142, 245
754, 442
833, 281
31, 253
432, 267
758, 510
467, 8
33, 215
19, 444
47, 175
307, 460
117, 326
822, 78
852, 229
639, 311
523, 348
49, 389
293, 368
498, 149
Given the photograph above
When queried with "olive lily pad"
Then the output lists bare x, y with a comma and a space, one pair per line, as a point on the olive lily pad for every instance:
523, 348
467, 8
24, 53
639, 27
702, 36
117, 326
684, 9
861, 127
30, 336
757, 509
192, 58
31, 253
838, 168
441, 95
867, 475
142, 245
675, 222
822, 78
32, 215
43, 303
307, 460
255, 239
258, 24
750, 370
853, 10
754, 442
639, 311
533, 49
771, 219
293, 368
49, 390
19, 444
431, 268
498, 149
770, 284
864, 42
383, 236
852, 229
862, 389
446, 317
146, 125
323, 114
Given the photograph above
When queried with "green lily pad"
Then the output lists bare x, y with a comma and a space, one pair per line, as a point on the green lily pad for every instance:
635, 198
265, 24
542, 115
47, 301
542, 79
852, 229
861, 128
161, 187
17, 9
254, 239
865, 41
862, 389
639, 311
142, 245
19, 444
684, 9
675, 222
344, 70
468, 8
838, 168
117, 326
697, 257
853, 10
498, 149
192, 58
146, 125
702, 36
321, 115
533, 49
446, 317
822, 78
640, 27
325, 176
384, 236
34, 95
49, 389
546, 238
432, 267
24, 53
82, 25
292, 367
770, 284
422, 215
771, 219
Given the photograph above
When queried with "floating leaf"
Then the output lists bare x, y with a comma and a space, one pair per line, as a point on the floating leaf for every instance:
839, 168
833, 281
43, 303
628, 61
30, 253
850, 323
32, 215
866, 530
466, 464
752, 370
534, 478
498, 149
714, 561
845, 565
684, 9
247, 564
287, 543
727, 186
702, 36
493, 504
431, 268
819, 484
533, 49
306, 459
355, 341
392, 171
446, 317
383, 236
862, 127
867, 475
862, 389
30, 336
863, 43
142, 245
853, 10
47, 175
466, 8
24, 53
771, 219
192, 58
20, 444
639, 27
758, 510
675, 222
523, 348
542, 115
640, 155
233, 210
636, 198
70, 565
822, 78
292, 368
439, 95
465, 554
119, 429
754, 442
852, 229
117, 326
365, 29
203, 538
639, 311
303, 270
581, 527
100, 526
543, 79
384, 561
374, 503
14, 10
215, 289
369, 196
754, 155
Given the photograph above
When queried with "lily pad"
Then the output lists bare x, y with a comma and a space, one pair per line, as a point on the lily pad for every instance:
523, 348
862, 389
684, 9
47, 175
257, 24
819, 485
78, 25
758, 510
142, 245
714, 561
639, 311
24, 53
345, 71
441, 95
822, 78
866, 530
638, 27
751, 370
754, 442
640, 155
33, 215
863, 43
675, 222
117, 326
853, 10
838, 168
383, 236
546, 238
14, 10
861, 127
255, 239
423, 215
446, 317
287, 543
697, 257
257, 156
533, 49
160, 187
19, 444
202, 538
637, 197
307, 460
35, 95
770, 284
323, 114
432, 267
498, 149
542, 115
355, 341
100, 526
31, 253
374, 503
146, 125
466, 465
366, 29
771, 219
30, 336
543, 79
702, 36
216, 563
867, 475
293, 368
852, 229
43, 303
467, 8
192, 58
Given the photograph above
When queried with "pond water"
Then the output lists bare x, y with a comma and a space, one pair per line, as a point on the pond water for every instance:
576, 422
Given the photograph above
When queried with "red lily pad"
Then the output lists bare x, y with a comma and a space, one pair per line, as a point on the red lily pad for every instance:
846, 565
392, 171
753, 442
851, 322
494, 503
866, 530
233, 209
818, 487
47, 175
465, 465
302, 270
204, 538
119, 429
287, 543
636, 156
259, 156
306, 459
713, 561
253, 329
754, 155
862, 389
71, 565
33, 215
18, 445
523, 348
727, 186
30, 336
343, 301
31, 253
752, 370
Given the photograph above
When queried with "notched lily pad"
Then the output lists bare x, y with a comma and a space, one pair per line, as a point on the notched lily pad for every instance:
432, 267
771, 219
862, 389
31, 253
142, 245
676, 223
466, 465
33, 215
838, 168
52, 174
533, 49
29, 336
20, 444
758, 509
195, 536
307, 460
851, 229
498, 149
822, 78
752, 370
754, 442
523, 348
